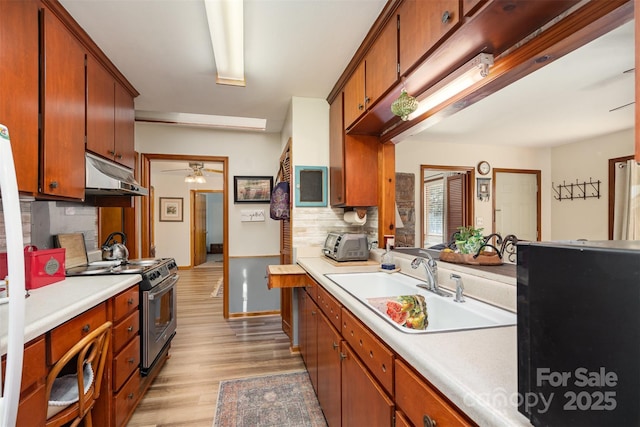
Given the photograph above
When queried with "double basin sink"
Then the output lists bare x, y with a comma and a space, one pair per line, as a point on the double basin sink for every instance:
444, 314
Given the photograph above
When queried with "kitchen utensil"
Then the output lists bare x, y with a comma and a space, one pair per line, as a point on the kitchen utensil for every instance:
112, 250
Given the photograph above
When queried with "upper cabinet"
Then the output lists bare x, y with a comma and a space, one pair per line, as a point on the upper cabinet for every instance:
63, 110
422, 25
19, 86
60, 96
110, 116
375, 74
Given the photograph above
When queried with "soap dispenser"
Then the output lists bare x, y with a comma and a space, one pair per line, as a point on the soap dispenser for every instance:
387, 259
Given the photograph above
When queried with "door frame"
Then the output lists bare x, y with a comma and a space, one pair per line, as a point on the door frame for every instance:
146, 224
538, 175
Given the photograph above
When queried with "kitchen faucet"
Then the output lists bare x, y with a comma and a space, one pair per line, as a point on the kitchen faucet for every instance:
431, 268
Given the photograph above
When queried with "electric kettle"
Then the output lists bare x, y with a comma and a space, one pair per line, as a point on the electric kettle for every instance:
114, 251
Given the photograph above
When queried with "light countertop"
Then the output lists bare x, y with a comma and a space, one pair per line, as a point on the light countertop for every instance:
476, 369
52, 305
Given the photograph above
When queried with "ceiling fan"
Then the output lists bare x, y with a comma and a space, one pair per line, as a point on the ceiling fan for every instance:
196, 172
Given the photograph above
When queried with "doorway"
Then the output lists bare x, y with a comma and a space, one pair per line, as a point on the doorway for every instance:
207, 239
516, 203
179, 237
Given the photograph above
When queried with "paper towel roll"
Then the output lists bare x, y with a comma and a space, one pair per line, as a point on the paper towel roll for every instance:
352, 218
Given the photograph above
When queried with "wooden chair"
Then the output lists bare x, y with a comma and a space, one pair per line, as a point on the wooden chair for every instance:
92, 349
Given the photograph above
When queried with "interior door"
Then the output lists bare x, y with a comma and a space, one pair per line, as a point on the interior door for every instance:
456, 203
200, 229
517, 204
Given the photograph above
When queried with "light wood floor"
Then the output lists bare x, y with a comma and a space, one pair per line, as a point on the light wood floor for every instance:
207, 349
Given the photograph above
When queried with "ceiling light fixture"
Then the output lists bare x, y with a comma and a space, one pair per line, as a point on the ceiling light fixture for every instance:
226, 27
195, 177
456, 82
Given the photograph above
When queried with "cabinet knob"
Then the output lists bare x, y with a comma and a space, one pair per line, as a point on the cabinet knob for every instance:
446, 16
335, 345
130, 396
131, 360
130, 301
53, 184
342, 356
130, 328
119, 156
360, 107
428, 421
86, 328
111, 152
313, 312
367, 100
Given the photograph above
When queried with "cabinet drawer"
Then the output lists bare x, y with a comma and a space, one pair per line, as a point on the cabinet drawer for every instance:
65, 336
330, 307
125, 302
431, 404
125, 400
312, 288
125, 330
375, 355
125, 362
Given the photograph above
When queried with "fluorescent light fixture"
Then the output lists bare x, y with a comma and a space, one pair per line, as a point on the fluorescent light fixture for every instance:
461, 79
205, 120
226, 27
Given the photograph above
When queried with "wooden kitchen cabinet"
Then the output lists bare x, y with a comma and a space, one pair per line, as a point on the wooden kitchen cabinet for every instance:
423, 24
110, 116
364, 402
329, 371
375, 74
19, 86
32, 410
63, 108
353, 163
430, 405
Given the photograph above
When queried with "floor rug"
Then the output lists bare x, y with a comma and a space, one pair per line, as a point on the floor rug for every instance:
285, 400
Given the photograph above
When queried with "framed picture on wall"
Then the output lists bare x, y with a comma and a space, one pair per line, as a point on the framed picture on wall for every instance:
252, 189
171, 209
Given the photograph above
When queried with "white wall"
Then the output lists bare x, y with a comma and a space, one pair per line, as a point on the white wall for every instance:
413, 152
586, 218
249, 154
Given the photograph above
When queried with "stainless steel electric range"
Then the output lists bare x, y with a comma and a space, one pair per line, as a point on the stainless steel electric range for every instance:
158, 300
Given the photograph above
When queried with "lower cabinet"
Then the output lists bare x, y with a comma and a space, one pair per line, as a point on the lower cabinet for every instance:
357, 378
364, 402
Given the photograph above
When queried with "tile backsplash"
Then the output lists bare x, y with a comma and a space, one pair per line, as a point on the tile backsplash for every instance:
42, 220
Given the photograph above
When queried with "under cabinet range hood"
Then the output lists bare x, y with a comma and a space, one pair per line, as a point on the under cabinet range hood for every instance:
105, 178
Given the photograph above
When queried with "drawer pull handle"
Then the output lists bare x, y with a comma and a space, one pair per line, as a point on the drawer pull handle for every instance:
360, 343
130, 301
342, 356
446, 17
313, 312
335, 346
371, 354
384, 368
86, 328
428, 421
130, 328
130, 396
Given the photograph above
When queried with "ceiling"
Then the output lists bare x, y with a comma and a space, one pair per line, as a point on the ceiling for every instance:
301, 47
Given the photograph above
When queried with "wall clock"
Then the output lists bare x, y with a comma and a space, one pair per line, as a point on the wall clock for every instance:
484, 167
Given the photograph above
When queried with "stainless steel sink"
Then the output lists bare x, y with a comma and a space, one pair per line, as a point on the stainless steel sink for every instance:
443, 313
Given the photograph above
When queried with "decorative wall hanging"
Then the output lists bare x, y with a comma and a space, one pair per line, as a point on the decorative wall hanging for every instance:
311, 186
171, 209
578, 190
483, 188
252, 189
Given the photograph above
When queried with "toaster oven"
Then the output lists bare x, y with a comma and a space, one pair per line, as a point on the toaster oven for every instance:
341, 246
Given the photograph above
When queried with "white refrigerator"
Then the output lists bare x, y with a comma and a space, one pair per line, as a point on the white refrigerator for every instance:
13, 314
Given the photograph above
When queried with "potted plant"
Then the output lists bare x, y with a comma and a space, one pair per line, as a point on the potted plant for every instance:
469, 239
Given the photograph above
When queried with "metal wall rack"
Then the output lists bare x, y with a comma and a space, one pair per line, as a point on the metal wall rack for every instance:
577, 190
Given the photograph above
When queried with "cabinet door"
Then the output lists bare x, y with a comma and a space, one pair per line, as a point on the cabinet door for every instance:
381, 63
100, 109
311, 314
336, 153
63, 146
124, 128
364, 402
422, 25
19, 86
361, 170
329, 384
354, 96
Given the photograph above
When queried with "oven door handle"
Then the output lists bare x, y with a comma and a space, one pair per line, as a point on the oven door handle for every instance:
162, 288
